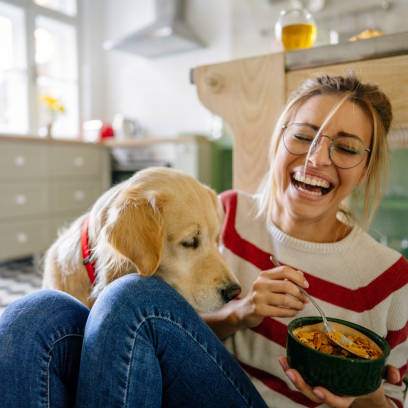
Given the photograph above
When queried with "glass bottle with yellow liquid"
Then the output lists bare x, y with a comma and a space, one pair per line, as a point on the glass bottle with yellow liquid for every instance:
296, 29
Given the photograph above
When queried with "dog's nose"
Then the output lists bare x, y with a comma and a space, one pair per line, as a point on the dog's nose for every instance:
230, 292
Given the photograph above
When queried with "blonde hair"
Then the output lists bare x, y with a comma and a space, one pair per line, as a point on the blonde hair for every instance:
377, 106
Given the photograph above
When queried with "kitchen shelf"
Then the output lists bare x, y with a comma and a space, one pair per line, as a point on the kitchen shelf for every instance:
372, 48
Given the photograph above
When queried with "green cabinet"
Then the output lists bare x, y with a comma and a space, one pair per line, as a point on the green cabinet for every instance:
221, 159
390, 224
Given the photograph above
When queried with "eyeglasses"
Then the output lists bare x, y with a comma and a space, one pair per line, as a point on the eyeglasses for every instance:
345, 151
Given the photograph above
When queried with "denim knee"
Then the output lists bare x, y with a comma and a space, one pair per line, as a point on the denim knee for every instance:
39, 333
134, 293
145, 346
41, 312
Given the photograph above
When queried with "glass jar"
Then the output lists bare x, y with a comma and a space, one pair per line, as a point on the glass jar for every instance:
296, 29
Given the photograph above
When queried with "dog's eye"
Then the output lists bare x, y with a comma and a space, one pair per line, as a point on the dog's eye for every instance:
192, 243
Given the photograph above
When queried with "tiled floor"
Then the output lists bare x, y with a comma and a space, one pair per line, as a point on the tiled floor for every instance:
17, 279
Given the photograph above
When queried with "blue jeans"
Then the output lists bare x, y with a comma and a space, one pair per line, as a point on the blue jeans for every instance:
142, 346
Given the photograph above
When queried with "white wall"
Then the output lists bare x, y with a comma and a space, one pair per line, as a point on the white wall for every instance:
93, 70
157, 92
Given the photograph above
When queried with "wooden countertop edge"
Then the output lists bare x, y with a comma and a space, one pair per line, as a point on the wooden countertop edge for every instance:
38, 139
151, 141
107, 142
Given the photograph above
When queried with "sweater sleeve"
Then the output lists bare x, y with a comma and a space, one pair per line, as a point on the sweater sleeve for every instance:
397, 335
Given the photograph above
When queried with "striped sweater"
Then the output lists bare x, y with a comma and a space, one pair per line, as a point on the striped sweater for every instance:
355, 279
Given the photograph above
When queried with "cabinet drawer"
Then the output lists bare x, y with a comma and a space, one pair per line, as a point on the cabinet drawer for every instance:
74, 195
23, 199
74, 161
23, 238
28, 160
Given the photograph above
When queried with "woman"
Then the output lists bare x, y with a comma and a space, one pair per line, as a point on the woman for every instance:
144, 346
329, 141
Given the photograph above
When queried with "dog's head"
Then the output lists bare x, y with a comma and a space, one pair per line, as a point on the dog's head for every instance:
166, 223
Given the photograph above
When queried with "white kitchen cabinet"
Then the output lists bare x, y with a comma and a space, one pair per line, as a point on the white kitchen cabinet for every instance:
22, 160
20, 199
75, 161
23, 237
194, 157
44, 186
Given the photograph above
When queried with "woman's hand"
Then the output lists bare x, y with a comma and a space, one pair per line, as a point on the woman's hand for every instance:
317, 394
378, 398
273, 294
321, 395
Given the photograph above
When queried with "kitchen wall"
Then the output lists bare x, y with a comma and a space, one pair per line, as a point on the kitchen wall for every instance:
157, 91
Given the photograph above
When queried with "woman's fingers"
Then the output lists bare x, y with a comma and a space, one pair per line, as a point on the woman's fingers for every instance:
286, 273
276, 311
276, 285
316, 394
275, 293
285, 301
298, 381
392, 374
332, 399
304, 388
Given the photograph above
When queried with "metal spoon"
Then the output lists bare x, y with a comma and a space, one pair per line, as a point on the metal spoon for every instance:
335, 336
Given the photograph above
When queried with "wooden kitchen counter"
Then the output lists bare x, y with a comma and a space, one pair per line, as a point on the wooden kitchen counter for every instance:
43, 140
111, 142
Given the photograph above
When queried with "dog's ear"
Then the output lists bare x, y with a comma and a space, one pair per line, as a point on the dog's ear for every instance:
138, 233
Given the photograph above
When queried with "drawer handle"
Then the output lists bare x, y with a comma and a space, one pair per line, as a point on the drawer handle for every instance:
79, 195
19, 161
79, 161
22, 238
21, 199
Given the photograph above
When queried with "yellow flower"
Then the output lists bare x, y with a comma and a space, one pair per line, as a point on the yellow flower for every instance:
53, 104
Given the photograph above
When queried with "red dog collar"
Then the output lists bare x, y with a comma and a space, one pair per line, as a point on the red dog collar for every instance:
86, 252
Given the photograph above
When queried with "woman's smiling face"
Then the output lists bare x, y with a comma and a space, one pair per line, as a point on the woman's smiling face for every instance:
313, 198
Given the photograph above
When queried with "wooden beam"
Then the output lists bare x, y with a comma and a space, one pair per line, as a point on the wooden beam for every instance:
248, 94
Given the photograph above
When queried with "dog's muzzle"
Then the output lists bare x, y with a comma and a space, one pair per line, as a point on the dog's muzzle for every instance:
230, 292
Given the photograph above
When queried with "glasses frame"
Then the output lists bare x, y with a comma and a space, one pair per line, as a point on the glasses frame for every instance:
314, 142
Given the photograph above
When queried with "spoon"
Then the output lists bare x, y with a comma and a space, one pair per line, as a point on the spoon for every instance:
335, 336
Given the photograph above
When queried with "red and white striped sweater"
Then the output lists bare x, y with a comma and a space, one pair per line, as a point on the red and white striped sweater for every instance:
355, 279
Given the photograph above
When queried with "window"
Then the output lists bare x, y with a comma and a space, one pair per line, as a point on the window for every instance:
39, 57
64, 6
13, 70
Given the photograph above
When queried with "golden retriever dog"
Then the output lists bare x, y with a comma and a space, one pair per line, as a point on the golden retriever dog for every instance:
160, 221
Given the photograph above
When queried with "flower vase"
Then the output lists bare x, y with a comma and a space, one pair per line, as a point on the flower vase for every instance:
49, 130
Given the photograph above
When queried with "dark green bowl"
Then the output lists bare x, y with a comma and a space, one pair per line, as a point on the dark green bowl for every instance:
340, 375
